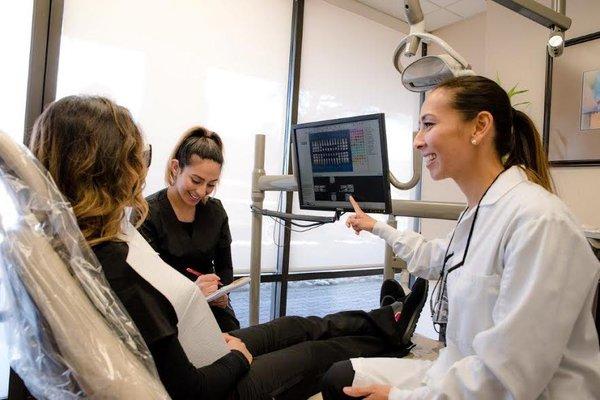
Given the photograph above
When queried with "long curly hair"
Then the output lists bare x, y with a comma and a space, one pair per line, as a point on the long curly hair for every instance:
94, 151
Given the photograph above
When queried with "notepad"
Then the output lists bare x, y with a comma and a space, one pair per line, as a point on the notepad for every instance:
228, 288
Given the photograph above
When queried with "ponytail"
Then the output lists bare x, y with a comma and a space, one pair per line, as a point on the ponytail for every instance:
197, 141
526, 151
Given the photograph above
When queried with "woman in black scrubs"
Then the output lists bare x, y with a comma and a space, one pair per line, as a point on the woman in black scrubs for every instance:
188, 228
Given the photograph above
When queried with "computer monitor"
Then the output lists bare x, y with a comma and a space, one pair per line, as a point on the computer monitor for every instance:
342, 157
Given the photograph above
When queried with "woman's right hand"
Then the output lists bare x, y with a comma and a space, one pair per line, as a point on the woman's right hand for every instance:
360, 221
208, 283
236, 344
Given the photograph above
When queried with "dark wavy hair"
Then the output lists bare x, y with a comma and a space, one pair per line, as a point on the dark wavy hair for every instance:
94, 152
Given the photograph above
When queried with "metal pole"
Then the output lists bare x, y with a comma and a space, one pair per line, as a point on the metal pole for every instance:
258, 197
279, 298
427, 209
388, 262
43, 59
560, 6
539, 13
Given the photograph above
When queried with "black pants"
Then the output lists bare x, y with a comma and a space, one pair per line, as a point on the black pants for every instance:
291, 354
340, 375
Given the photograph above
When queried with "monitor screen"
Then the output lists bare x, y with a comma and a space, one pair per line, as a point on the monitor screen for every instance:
342, 157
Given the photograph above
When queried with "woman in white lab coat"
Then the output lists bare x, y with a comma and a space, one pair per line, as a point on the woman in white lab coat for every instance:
516, 277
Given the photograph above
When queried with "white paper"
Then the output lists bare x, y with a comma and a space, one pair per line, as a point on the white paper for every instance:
228, 288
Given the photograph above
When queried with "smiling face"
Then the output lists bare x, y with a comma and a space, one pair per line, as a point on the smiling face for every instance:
444, 137
197, 180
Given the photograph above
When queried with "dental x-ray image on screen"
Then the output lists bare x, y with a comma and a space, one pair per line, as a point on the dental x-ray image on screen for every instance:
343, 157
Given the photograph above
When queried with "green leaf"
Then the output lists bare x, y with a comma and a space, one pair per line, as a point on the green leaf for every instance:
513, 91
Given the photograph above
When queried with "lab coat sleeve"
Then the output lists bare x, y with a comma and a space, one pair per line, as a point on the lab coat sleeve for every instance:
547, 276
424, 258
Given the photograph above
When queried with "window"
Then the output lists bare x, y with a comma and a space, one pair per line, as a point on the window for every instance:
219, 63
326, 296
15, 41
240, 301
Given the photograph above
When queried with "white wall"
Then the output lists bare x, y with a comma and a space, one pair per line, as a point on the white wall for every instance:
502, 43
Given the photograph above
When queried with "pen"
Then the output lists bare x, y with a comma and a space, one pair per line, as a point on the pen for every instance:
193, 271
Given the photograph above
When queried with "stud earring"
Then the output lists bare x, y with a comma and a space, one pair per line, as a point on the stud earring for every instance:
474, 142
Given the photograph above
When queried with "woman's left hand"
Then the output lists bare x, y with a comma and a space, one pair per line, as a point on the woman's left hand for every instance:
373, 392
221, 302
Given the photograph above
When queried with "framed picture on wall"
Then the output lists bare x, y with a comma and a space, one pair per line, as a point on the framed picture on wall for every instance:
572, 103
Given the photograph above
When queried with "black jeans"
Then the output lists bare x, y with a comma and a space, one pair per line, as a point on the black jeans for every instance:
291, 354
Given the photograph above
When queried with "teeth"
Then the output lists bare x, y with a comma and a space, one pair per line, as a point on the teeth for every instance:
429, 158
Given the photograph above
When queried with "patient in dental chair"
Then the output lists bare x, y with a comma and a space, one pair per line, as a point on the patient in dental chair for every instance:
93, 150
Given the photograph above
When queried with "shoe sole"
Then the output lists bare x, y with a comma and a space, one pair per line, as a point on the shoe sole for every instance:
412, 324
397, 287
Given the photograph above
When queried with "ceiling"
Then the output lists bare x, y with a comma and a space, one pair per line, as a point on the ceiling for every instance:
438, 13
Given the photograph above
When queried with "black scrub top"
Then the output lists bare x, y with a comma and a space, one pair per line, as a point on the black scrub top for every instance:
204, 244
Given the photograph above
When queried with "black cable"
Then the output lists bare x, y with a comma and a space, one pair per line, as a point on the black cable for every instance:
307, 227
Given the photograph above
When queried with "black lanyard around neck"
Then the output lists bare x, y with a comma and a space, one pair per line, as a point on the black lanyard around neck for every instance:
440, 300
446, 256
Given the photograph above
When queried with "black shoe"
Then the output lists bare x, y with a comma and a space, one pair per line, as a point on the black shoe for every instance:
391, 291
411, 310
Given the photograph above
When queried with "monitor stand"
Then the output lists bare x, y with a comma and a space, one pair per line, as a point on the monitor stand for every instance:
298, 217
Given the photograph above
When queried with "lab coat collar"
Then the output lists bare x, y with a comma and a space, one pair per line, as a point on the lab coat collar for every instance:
504, 184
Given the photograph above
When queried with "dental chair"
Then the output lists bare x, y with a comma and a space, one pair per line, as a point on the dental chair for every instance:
67, 334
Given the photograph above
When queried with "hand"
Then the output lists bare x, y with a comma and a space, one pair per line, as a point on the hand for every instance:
373, 392
208, 283
359, 221
236, 344
221, 302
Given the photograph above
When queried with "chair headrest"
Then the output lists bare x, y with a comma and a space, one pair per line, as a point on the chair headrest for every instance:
68, 334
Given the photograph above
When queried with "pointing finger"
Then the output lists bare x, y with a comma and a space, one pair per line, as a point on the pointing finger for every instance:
355, 205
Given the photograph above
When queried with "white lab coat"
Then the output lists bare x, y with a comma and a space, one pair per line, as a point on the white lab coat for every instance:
520, 322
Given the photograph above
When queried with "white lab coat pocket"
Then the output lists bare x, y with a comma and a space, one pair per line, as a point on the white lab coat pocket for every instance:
471, 301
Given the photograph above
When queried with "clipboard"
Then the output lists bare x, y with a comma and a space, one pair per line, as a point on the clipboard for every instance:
238, 283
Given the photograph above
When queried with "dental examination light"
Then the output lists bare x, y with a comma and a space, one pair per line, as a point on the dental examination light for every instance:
426, 72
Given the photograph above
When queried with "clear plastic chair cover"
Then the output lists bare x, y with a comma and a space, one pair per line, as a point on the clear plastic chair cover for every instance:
68, 335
